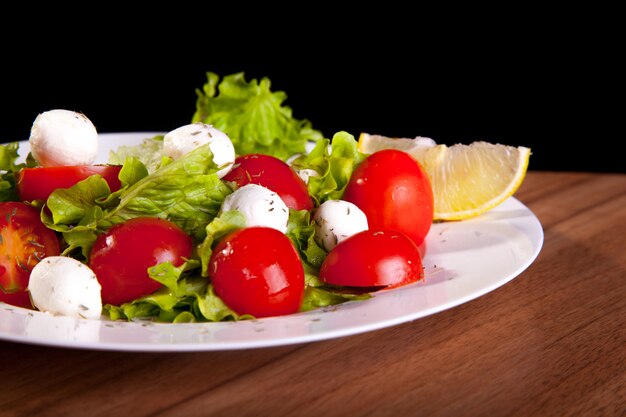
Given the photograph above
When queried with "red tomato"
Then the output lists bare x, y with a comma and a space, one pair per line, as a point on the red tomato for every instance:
24, 241
39, 183
121, 256
394, 192
19, 299
274, 174
257, 271
373, 258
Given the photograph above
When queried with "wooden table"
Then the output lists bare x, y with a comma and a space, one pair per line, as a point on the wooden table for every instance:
550, 343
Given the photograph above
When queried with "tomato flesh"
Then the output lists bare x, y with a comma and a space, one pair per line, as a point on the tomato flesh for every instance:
39, 183
121, 256
394, 192
24, 241
385, 258
274, 174
257, 271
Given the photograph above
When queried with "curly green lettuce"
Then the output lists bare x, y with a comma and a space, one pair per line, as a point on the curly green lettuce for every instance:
334, 165
187, 192
185, 297
253, 116
149, 152
8, 168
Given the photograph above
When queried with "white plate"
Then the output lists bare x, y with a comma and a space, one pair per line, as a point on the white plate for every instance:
463, 261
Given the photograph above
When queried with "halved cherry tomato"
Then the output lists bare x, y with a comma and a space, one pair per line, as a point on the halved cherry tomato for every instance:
39, 183
274, 174
394, 192
24, 241
257, 271
121, 256
373, 258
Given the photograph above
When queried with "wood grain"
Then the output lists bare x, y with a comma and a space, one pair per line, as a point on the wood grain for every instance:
550, 343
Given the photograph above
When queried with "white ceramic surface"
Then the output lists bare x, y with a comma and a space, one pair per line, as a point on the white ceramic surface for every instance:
463, 261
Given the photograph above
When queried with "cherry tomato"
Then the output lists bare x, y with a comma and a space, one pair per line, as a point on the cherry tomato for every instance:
121, 256
24, 241
19, 299
257, 271
394, 192
373, 258
39, 183
274, 174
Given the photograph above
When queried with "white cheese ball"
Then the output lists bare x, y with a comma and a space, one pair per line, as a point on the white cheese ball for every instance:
63, 137
64, 286
260, 206
186, 138
337, 220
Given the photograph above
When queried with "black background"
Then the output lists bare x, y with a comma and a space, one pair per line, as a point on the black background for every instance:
545, 94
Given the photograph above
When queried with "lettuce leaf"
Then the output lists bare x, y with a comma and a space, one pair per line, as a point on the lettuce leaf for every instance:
316, 297
70, 205
252, 116
334, 166
220, 226
213, 308
301, 231
186, 191
184, 297
8, 157
8, 168
149, 152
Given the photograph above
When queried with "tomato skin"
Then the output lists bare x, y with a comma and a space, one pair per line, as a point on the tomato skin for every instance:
373, 258
122, 255
394, 192
39, 183
274, 174
24, 241
18, 299
257, 271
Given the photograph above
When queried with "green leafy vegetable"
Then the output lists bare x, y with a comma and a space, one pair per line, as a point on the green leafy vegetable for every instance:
252, 116
225, 223
70, 205
8, 168
213, 308
316, 297
301, 231
186, 191
334, 167
9, 156
149, 152
185, 297
133, 170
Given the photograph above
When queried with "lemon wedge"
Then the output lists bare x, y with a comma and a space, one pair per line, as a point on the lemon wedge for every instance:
467, 180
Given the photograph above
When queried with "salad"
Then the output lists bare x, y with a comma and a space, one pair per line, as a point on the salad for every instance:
226, 218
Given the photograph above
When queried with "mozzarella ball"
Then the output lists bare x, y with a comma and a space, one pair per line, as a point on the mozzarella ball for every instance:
337, 220
63, 137
186, 138
65, 286
260, 206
